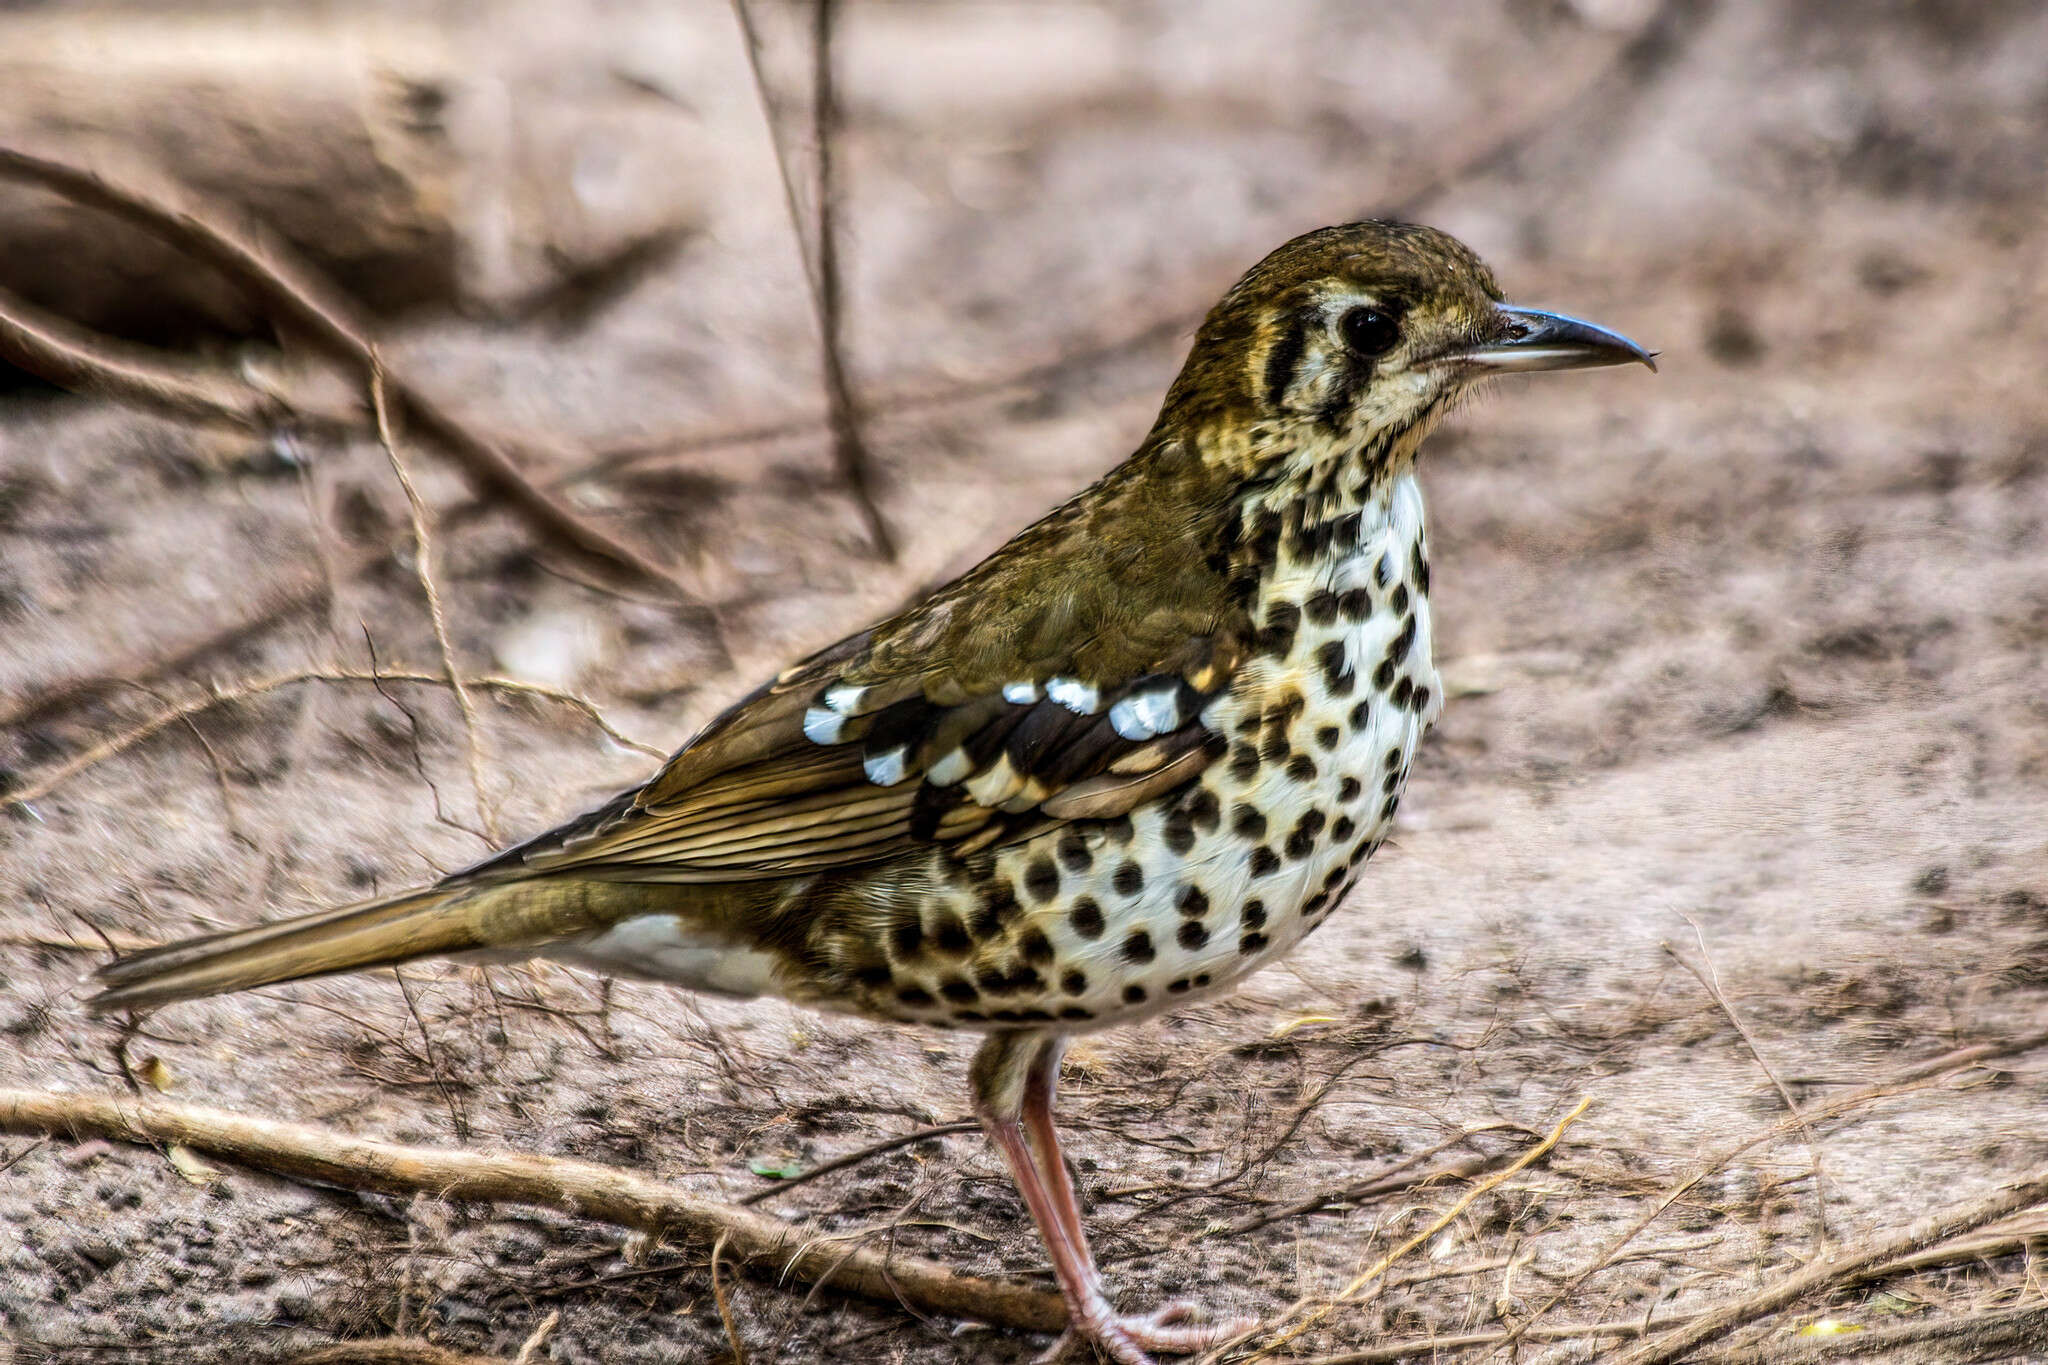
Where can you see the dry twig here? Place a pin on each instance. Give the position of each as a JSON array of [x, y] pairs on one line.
[[821, 265], [1710, 978], [297, 298], [43, 783], [763, 1246], [423, 565], [1834, 1271]]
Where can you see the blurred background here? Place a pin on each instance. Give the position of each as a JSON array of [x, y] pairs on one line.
[[1745, 658]]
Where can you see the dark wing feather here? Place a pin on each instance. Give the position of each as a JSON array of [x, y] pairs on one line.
[[1063, 679]]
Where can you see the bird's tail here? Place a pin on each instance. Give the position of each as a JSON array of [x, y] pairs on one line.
[[451, 918]]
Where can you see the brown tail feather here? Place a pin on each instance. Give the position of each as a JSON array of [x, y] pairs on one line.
[[374, 933]]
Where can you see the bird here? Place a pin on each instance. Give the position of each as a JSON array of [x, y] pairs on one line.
[[1140, 751]]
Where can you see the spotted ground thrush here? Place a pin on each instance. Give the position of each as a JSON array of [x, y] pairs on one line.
[[1134, 755]]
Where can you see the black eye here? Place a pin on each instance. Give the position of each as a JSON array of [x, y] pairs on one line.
[[1369, 331]]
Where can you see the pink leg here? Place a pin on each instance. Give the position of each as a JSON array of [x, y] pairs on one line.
[[1015, 1078]]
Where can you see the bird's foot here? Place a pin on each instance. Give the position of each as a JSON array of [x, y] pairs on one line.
[[1177, 1328]]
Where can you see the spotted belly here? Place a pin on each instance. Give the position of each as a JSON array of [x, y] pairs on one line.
[[1099, 923]]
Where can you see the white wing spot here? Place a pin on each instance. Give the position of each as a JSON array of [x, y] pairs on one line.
[[1021, 693], [844, 698], [1077, 696], [1144, 714], [888, 767], [949, 769], [823, 725]]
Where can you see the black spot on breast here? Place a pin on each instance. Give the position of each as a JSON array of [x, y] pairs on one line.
[[872, 977], [1264, 861], [1201, 980], [1335, 661], [1393, 781], [1035, 946], [1354, 604], [1251, 943], [1393, 758], [1348, 789], [1321, 607], [1041, 879], [1361, 714], [917, 997], [1333, 877], [1134, 994], [1383, 676], [1129, 879], [1244, 762], [1247, 822], [1405, 641], [1301, 768], [1344, 531], [1179, 985], [1387, 811], [1403, 690], [994, 982], [1074, 983], [1192, 934], [1418, 566], [1138, 947], [1363, 851], [1193, 902], [1399, 601], [1074, 854], [1076, 1012], [1314, 904], [969, 1017], [1421, 700], [949, 936], [1301, 840], [1273, 745], [1119, 830], [1254, 914], [1206, 810], [1342, 831], [906, 936], [1086, 917], [959, 990], [1276, 637], [1179, 831], [998, 906]]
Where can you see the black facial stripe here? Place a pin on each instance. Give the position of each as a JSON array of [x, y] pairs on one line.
[[1285, 356]]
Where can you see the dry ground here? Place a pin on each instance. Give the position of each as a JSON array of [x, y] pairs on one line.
[[1748, 660]]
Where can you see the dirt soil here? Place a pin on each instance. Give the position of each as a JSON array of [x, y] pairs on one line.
[[1747, 663]]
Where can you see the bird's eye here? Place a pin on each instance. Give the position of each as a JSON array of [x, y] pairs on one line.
[[1369, 331]]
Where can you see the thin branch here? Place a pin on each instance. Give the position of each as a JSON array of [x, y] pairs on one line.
[[763, 1246], [1841, 1268], [294, 295], [83, 362], [1383, 1264], [1909, 1078], [50, 779], [1710, 979], [423, 565], [821, 267], [858, 1155]]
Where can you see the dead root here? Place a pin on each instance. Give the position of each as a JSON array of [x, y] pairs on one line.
[[755, 1243]]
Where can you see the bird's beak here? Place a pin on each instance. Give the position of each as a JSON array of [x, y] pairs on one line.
[[1531, 339]]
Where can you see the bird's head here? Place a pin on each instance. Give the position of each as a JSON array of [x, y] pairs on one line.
[[1356, 336]]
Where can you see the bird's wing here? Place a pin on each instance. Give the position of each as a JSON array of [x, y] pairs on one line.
[[1050, 684]]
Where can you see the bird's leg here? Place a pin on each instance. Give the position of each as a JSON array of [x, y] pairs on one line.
[[1015, 1077]]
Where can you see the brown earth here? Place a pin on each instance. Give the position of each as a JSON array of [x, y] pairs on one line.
[[1747, 659]]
